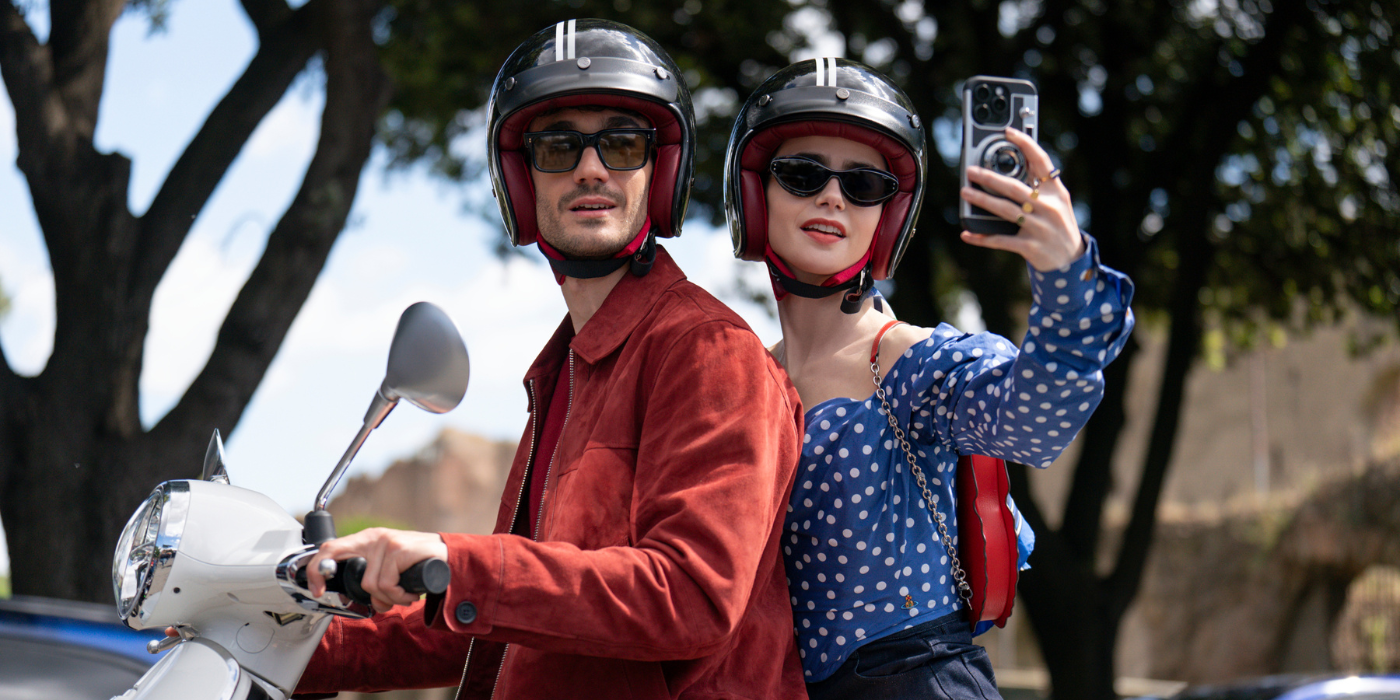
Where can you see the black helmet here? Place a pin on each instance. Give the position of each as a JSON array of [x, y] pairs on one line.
[[826, 97], [598, 63]]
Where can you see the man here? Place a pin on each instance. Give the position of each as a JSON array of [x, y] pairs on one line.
[[637, 545]]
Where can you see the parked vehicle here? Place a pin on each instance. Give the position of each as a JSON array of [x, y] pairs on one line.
[[66, 650], [1297, 687], [224, 567]]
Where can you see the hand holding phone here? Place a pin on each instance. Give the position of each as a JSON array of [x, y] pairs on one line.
[[989, 106], [1012, 198]]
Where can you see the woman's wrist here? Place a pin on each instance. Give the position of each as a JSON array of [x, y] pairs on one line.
[[1063, 288], [1061, 262]]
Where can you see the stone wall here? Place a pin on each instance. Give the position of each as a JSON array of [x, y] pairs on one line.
[[452, 485]]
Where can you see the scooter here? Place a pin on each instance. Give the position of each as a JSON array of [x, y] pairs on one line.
[[225, 567]]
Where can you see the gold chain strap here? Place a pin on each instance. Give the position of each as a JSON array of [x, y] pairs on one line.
[[964, 590]]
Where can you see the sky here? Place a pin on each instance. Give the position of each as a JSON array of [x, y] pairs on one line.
[[409, 239]]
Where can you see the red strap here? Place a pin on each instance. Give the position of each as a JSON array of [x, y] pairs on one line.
[[875, 347]]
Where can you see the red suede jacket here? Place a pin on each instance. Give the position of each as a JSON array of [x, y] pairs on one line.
[[656, 572]]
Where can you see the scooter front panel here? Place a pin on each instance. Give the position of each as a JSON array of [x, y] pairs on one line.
[[193, 670]]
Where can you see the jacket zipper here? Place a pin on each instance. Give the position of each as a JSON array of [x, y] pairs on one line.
[[529, 464], [549, 468], [544, 489]]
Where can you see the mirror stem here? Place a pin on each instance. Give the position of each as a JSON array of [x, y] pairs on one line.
[[378, 410]]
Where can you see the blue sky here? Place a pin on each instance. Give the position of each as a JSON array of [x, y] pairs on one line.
[[409, 240]]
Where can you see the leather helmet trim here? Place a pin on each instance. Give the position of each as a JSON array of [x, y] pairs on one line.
[[758, 153], [515, 167]]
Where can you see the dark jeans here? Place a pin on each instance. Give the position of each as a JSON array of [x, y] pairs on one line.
[[934, 660]]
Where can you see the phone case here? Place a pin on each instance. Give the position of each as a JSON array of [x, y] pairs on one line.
[[984, 137]]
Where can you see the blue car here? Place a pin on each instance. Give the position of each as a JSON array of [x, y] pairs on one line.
[[1298, 687], [65, 650], [1370, 687]]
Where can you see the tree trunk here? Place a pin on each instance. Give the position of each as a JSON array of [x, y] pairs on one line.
[[74, 458]]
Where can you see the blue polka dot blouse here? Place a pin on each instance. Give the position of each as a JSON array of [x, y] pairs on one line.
[[863, 556]]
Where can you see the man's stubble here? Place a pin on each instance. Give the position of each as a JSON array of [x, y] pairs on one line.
[[586, 243]]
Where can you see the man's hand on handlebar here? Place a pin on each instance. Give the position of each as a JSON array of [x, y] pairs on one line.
[[387, 553]]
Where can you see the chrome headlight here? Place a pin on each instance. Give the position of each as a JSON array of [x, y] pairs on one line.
[[147, 547]]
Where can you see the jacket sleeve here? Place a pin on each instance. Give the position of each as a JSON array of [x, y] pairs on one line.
[[369, 655], [715, 460]]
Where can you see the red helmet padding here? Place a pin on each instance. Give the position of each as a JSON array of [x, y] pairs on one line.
[[759, 152], [515, 167]]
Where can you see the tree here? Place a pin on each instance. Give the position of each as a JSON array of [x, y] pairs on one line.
[[74, 456], [1233, 157]]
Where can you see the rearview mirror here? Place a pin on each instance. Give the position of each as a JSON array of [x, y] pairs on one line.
[[428, 364], [428, 367]]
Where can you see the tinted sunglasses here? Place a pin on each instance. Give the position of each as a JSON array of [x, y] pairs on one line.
[[560, 151], [804, 177]]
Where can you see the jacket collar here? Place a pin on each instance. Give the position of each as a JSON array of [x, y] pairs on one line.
[[627, 304]]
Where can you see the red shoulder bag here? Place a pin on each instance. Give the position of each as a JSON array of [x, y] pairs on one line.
[[984, 559]]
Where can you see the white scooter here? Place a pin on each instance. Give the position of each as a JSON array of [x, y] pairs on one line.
[[224, 566]]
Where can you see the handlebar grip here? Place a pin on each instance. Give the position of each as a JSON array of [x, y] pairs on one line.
[[427, 576]]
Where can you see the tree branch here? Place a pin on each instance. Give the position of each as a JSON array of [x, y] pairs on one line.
[[8, 380], [79, 36], [27, 72], [1211, 139], [1093, 472], [1230, 100], [356, 92], [283, 53], [267, 15]]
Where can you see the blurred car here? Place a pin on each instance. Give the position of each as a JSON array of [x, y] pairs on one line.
[[1296, 687], [66, 650], [1369, 687]]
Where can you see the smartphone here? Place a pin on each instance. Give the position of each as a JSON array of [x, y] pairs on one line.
[[989, 105]]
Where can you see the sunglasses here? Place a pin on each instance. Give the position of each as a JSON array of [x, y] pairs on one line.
[[804, 177], [560, 151]]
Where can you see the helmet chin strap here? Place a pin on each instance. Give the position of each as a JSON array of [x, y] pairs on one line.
[[853, 290], [640, 254]]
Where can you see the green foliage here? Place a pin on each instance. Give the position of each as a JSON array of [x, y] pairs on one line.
[[156, 11], [1296, 195], [355, 523], [1310, 202], [443, 58]]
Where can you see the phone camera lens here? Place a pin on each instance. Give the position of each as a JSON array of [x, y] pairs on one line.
[[982, 92], [1005, 159], [981, 112], [999, 104]]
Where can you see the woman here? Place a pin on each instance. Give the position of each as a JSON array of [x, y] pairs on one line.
[[824, 176]]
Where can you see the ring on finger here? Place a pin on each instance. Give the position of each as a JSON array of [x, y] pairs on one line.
[[1021, 220], [1053, 174], [1027, 207], [1035, 191]]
